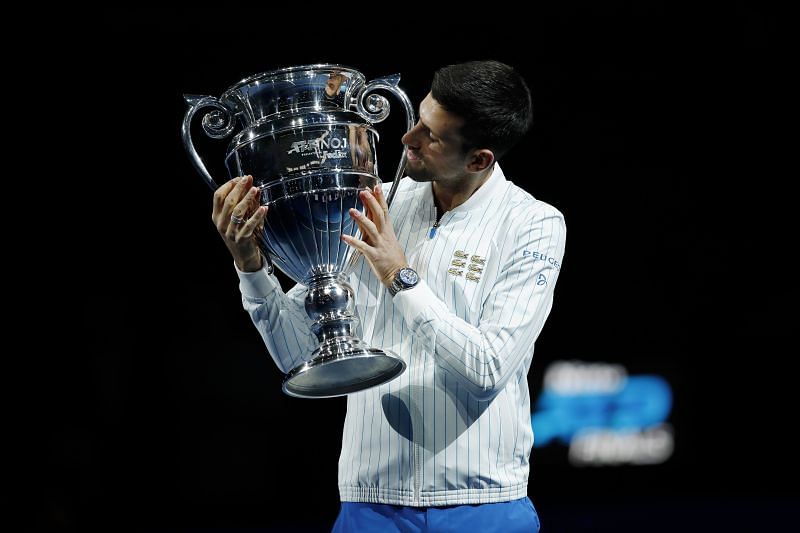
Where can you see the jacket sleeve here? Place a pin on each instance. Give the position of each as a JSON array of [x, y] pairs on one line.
[[484, 357], [279, 317]]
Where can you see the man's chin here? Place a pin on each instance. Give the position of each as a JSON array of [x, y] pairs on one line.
[[416, 172], [419, 178]]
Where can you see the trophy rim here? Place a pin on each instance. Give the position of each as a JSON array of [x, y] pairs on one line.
[[286, 70], [280, 123], [282, 182]]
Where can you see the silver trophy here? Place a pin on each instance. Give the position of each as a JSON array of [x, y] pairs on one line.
[[307, 138]]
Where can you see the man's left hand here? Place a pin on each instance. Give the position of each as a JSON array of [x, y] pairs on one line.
[[378, 241]]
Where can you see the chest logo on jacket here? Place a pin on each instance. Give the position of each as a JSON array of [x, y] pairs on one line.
[[473, 264]]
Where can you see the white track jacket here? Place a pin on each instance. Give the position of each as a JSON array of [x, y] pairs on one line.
[[455, 427]]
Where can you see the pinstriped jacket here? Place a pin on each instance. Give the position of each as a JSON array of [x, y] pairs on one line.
[[455, 427]]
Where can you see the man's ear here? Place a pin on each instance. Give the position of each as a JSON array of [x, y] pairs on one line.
[[480, 160]]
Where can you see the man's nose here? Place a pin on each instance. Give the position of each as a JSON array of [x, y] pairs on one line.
[[409, 138]]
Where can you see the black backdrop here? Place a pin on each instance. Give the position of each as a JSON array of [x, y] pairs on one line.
[[654, 134]]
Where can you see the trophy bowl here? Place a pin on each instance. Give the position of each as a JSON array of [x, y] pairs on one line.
[[308, 139]]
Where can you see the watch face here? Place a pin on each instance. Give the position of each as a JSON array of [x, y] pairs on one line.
[[408, 276]]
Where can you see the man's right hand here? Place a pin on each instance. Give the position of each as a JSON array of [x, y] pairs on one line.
[[237, 215]]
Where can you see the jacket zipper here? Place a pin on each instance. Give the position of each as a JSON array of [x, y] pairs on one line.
[[417, 462], [417, 473], [432, 231], [437, 222]]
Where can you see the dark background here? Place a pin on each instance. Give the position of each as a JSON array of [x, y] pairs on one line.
[[655, 134]]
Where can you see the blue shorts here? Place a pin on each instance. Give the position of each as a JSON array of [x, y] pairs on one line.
[[506, 517]]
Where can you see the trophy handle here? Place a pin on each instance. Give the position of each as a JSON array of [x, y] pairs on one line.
[[376, 108], [217, 124]]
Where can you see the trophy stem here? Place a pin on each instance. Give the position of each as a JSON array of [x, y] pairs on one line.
[[342, 364], [330, 303], [333, 329]]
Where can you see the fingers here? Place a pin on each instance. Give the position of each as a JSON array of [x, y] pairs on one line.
[[381, 199], [358, 244], [222, 192], [376, 219], [367, 226], [237, 196], [376, 211], [246, 205], [241, 214], [227, 197], [255, 222]]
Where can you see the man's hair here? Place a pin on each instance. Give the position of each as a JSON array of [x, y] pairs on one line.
[[491, 97]]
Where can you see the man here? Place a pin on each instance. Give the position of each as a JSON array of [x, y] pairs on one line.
[[460, 289]]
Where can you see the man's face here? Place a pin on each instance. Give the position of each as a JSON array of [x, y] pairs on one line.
[[435, 144]]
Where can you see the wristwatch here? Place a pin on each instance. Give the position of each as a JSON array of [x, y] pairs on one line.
[[405, 278]]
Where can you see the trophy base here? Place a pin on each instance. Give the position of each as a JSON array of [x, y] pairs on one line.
[[341, 368]]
